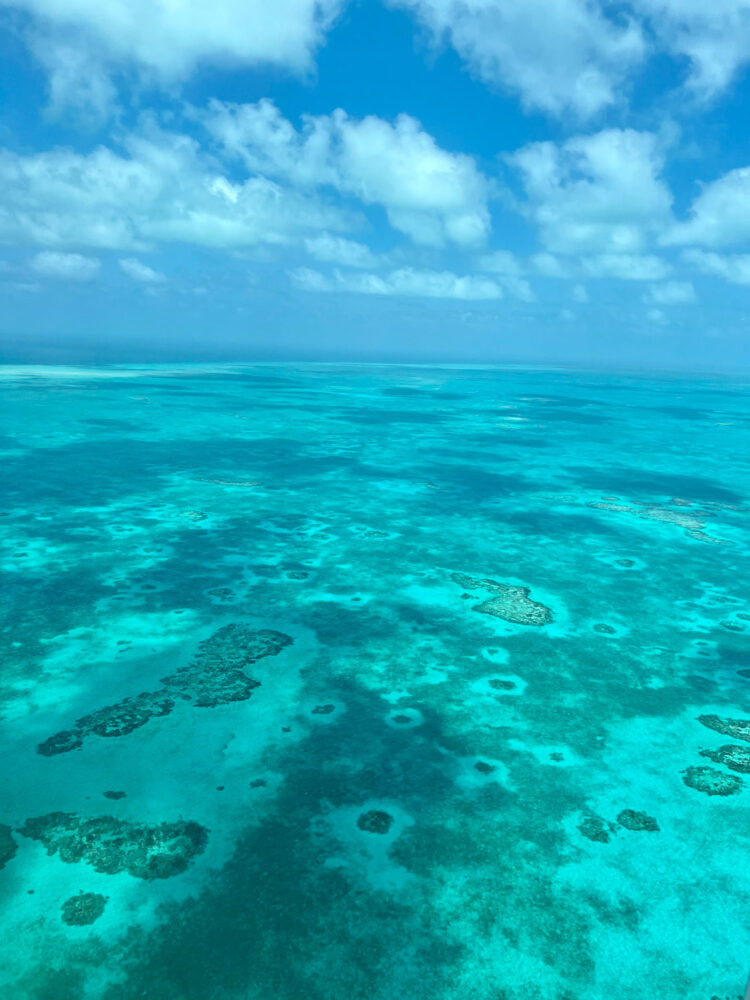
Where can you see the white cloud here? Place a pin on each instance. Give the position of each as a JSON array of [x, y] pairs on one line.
[[509, 271], [670, 293], [405, 281], [732, 267], [719, 216], [140, 272], [77, 79], [714, 37], [550, 266], [432, 195], [558, 55], [171, 37], [65, 266], [629, 267], [337, 250], [596, 193], [162, 188]]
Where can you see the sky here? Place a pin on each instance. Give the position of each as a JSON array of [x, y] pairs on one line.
[[541, 181]]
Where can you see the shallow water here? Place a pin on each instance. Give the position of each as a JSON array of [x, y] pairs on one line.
[[437, 672]]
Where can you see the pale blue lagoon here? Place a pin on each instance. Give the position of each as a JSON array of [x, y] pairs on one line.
[[367, 682]]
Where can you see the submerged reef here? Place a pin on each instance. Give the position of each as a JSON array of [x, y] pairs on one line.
[[8, 846], [734, 757], [375, 821], [597, 829], [215, 676], [712, 781], [83, 909], [111, 845], [738, 729], [693, 523], [510, 602], [633, 820]]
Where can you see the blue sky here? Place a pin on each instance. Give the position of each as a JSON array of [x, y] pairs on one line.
[[560, 181]]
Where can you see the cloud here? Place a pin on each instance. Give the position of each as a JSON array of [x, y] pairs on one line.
[[140, 272], [714, 37], [670, 293], [731, 267], [629, 267], [432, 195], [337, 250], [170, 38], [509, 271], [65, 266], [578, 293], [719, 216], [559, 57], [160, 188], [596, 193], [405, 281]]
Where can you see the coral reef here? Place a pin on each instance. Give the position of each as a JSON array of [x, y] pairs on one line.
[[114, 795], [712, 781], [484, 768], [510, 602], [323, 709], [375, 821], [693, 523], [597, 829], [738, 729], [8, 846], [83, 909], [734, 757], [633, 820], [111, 845], [501, 685], [215, 676], [604, 629]]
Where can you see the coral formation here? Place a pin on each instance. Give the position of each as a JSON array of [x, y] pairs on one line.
[[510, 602], [8, 846], [501, 685], [83, 909], [111, 845], [712, 781], [633, 820], [597, 829], [603, 629], [693, 523], [323, 709], [484, 768], [114, 795], [734, 757], [215, 676], [738, 729], [375, 821]]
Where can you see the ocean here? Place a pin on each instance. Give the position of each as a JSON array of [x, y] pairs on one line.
[[340, 682]]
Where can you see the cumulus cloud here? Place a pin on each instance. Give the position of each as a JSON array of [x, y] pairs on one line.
[[171, 37], [719, 216], [140, 272], [432, 195], [65, 266], [405, 282], [670, 293], [558, 55], [731, 267], [713, 37], [596, 193], [629, 267], [160, 188], [338, 250], [509, 270]]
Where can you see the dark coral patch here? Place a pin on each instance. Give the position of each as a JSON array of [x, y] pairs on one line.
[[8, 846], [484, 768], [323, 709], [712, 781], [633, 820], [375, 821], [604, 629], [596, 829], [734, 757], [111, 845], [501, 685], [511, 603], [738, 729], [215, 676], [83, 909], [114, 795]]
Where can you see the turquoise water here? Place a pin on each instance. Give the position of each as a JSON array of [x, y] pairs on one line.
[[367, 682]]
